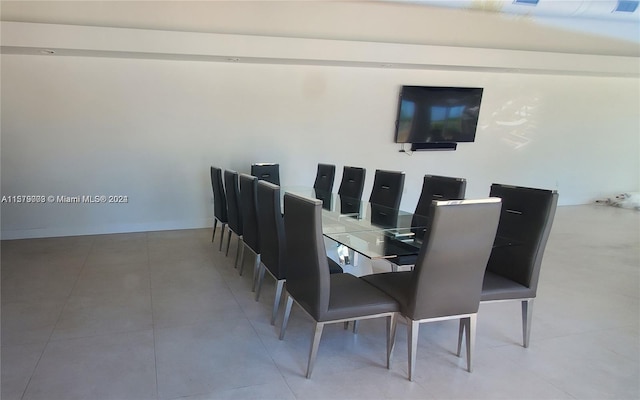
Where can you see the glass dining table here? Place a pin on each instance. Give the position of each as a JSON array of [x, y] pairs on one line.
[[367, 229]]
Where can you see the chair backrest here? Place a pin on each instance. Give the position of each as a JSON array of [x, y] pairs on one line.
[[384, 217], [324, 178], [248, 205], [271, 228], [352, 183], [435, 188], [267, 172], [219, 198], [450, 268], [387, 188], [526, 219], [306, 258], [234, 212]]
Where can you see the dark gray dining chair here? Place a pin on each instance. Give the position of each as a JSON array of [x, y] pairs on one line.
[[350, 190], [513, 269], [271, 230], [326, 298], [324, 178], [387, 188], [352, 182], [269, 172], [385, 198], [219, 203], [447, 279], [437, 188], [234, 212], [273, 242], [250, 231]]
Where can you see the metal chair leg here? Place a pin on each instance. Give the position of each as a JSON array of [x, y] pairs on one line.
[[527, 314], [239, 253], [259, 279], [314, 347], [256, 267], [412, 341], [240, 256], [226, 254], [222, 229], [285, 319], [391, 336], [471, 339], [276, 300], [461, 329], [215, 224]]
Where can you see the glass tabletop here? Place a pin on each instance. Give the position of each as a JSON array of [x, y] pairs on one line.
[[379, 244], [346, 214], [369, 229], [375, 231]]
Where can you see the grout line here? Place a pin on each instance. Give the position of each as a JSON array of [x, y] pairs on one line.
[[84, 263], [153, 322], [259, 337]]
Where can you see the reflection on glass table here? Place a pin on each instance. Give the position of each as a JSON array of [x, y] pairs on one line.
[[362, 228], [382, 244], [345, 214]]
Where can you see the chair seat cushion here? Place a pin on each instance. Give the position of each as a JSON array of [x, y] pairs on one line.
[[396, 284], [351, 297], [497, 287], [334, 267]]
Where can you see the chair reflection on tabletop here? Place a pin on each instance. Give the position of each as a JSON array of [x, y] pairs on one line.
[[447, 279]]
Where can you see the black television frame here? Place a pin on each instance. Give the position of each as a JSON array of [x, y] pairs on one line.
[[471, 97]]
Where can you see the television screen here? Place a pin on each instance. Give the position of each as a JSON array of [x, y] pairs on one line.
[[437, 114]]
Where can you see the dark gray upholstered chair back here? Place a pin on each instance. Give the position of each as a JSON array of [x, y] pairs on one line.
[[325, 177], [435, 188], [526, 219], [219, 198], [271, 228], [352, 183], [306, 261], [233, 198], [267, 172], [387, 188], [450, 268], [249, 211]]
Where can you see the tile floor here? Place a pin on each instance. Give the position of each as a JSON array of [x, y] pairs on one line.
[[164, 315]]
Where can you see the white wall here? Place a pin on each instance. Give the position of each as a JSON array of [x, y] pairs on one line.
[[150, 129]]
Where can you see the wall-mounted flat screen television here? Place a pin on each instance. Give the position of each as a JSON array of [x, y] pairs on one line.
[[429, 114]]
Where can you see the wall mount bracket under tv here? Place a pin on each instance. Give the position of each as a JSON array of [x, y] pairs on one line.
[[437, 118]]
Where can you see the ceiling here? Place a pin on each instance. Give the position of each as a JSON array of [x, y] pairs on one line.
[[567, 26], [611, 18]]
